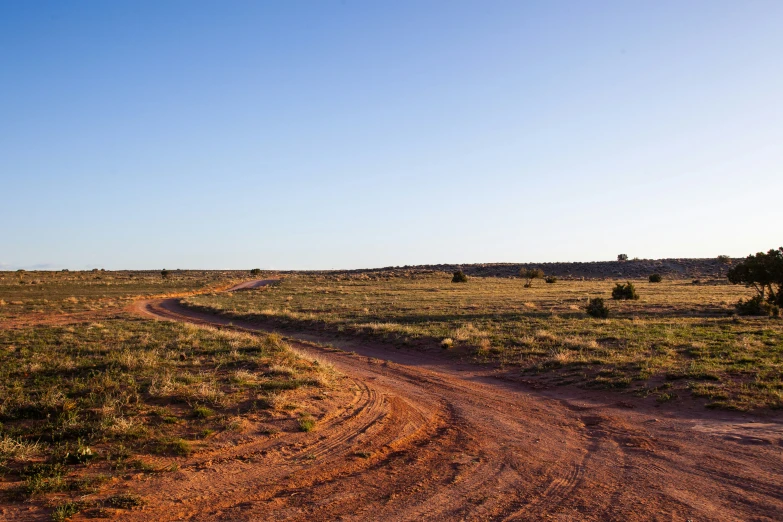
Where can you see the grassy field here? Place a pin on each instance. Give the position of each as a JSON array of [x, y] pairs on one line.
[[679, 339], [24, 293], [89, 403], [92, 396]]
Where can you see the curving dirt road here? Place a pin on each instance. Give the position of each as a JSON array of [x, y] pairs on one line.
[[251, 285], [423, 438]]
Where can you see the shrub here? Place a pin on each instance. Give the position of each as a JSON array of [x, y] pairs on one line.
[[255, 271], [622, 257], [164, 273], [459, 277], [723, 261], [655, 278], [597, 308], [529, 274], [551, 279], [757, 306], [624, 291]]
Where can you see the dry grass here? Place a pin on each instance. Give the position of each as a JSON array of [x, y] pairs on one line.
[[47, 292], [112, 393], [679, 332], [84, 383]]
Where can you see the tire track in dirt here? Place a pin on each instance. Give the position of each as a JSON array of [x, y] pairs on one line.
[[445, 441]]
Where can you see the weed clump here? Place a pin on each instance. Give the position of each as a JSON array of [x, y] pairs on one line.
[[306, 422], [596, 308], [202, 412], [459, 277], [66, 511], [624, 291], [125, 501], [655, 278], [175, 446], [44, 478]]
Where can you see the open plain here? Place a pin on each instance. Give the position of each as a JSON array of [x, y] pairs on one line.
[[312, 396]]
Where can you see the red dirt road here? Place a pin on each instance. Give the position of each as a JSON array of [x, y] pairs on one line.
[[250, 285], [423, 438]]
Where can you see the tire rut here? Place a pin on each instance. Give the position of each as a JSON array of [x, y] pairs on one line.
[[423, 441]]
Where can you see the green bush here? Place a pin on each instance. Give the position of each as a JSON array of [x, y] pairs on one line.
[[551, 279], [597, 308], [255, 271], [459, 277], [624, 291], [655, 278]]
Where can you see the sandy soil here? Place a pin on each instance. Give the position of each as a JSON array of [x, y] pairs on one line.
[[424, 437]]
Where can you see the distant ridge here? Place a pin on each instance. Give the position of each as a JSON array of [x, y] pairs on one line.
[[632, 269]]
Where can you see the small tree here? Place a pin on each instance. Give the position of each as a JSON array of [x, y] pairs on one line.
[[764, 273], [622, 257], [255, 271], [529, 274], [164, 273], [655, 278], [596, 308], [459, 277], [550, 279], [624, 291], [723, 261]]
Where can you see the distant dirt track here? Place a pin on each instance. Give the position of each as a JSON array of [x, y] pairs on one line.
[[447, 441], [249, 285]]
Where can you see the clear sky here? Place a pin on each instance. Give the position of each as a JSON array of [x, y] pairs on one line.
[[346, 134]]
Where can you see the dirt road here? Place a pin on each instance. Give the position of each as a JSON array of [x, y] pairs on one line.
[[424, 438], [250, 285]]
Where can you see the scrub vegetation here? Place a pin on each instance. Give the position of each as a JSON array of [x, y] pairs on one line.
[[670, 338], [39, 293], [88, 404]]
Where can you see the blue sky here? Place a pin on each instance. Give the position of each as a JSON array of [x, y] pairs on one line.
[[187, 134]]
